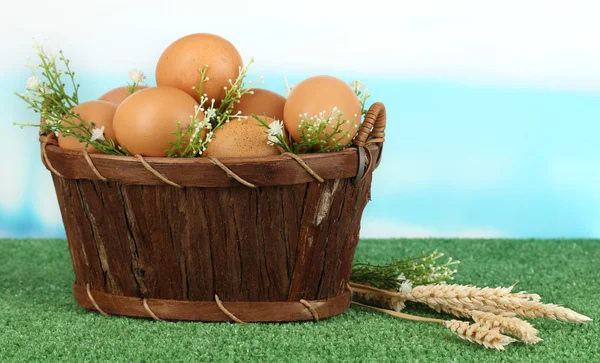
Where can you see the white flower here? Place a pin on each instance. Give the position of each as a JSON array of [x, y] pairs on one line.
[[406, 286], [97, 134], [32, 83], [275, 130], [137, 76], [45, 90]]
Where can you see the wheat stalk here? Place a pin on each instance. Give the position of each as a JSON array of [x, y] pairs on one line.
[[463, 313], [492, 309], [480, 334], [461, 296], [389, 300], [534, 309], [508, 325], [456, 298], [487, 336]]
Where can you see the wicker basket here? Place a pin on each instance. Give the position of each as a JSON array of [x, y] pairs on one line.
[[250, 240]]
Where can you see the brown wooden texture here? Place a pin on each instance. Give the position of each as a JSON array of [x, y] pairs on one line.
[[200, 172], [279, 243], [261, 250], [208, 310]]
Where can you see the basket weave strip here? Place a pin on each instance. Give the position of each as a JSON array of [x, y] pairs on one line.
[[369, 161], [231, 173], [225, 311], [310, 308], [89, 294], [149, 167], [150, 312], [238, 311], [305, 166], [45, 140], [372, 129], [92, 166], [153, 171]]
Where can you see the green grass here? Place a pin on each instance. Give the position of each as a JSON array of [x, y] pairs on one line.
[[39, 320]]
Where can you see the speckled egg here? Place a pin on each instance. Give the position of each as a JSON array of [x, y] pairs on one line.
[[144, 122], [119, 94], [179, 64], [261, 102], [98, 113], [243, 138], [323, 94]]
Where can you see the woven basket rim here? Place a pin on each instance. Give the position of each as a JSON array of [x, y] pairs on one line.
[[203, 160], [285, 169], [202, 172]]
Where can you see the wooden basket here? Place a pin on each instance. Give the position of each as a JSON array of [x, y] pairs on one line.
[[245, 239]]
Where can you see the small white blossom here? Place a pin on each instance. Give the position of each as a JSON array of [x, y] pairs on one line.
[[97, 134], [33, 83], [137, 77], [406, 286], [275, 130]]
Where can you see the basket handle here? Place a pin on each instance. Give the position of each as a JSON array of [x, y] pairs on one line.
[[372, 129]]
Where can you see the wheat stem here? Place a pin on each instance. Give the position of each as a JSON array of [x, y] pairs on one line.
[[489, 337], [401, 315]]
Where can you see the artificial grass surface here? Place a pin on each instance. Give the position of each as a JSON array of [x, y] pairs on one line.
[[40, 321]]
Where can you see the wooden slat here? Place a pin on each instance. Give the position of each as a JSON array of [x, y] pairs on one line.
[[208, 310], [200, 172]]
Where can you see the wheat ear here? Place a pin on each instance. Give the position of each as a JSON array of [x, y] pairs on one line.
[[395, 300], [455, 298], [534, 309], [460, 296], [464, 313], [386, 302], [508, 325], [480, 334]]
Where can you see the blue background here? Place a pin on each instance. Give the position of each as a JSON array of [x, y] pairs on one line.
[[460, 160]]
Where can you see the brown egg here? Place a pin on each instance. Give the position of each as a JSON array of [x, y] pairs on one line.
[[179, 64], [144, 122], [119, 94], [322, 93], [243, 138], [100, 113], [261, 103]]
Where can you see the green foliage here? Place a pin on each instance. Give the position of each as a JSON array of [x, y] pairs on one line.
[[50, 98], [192, 139], [420, 270], [319, 133], [323, 132]]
